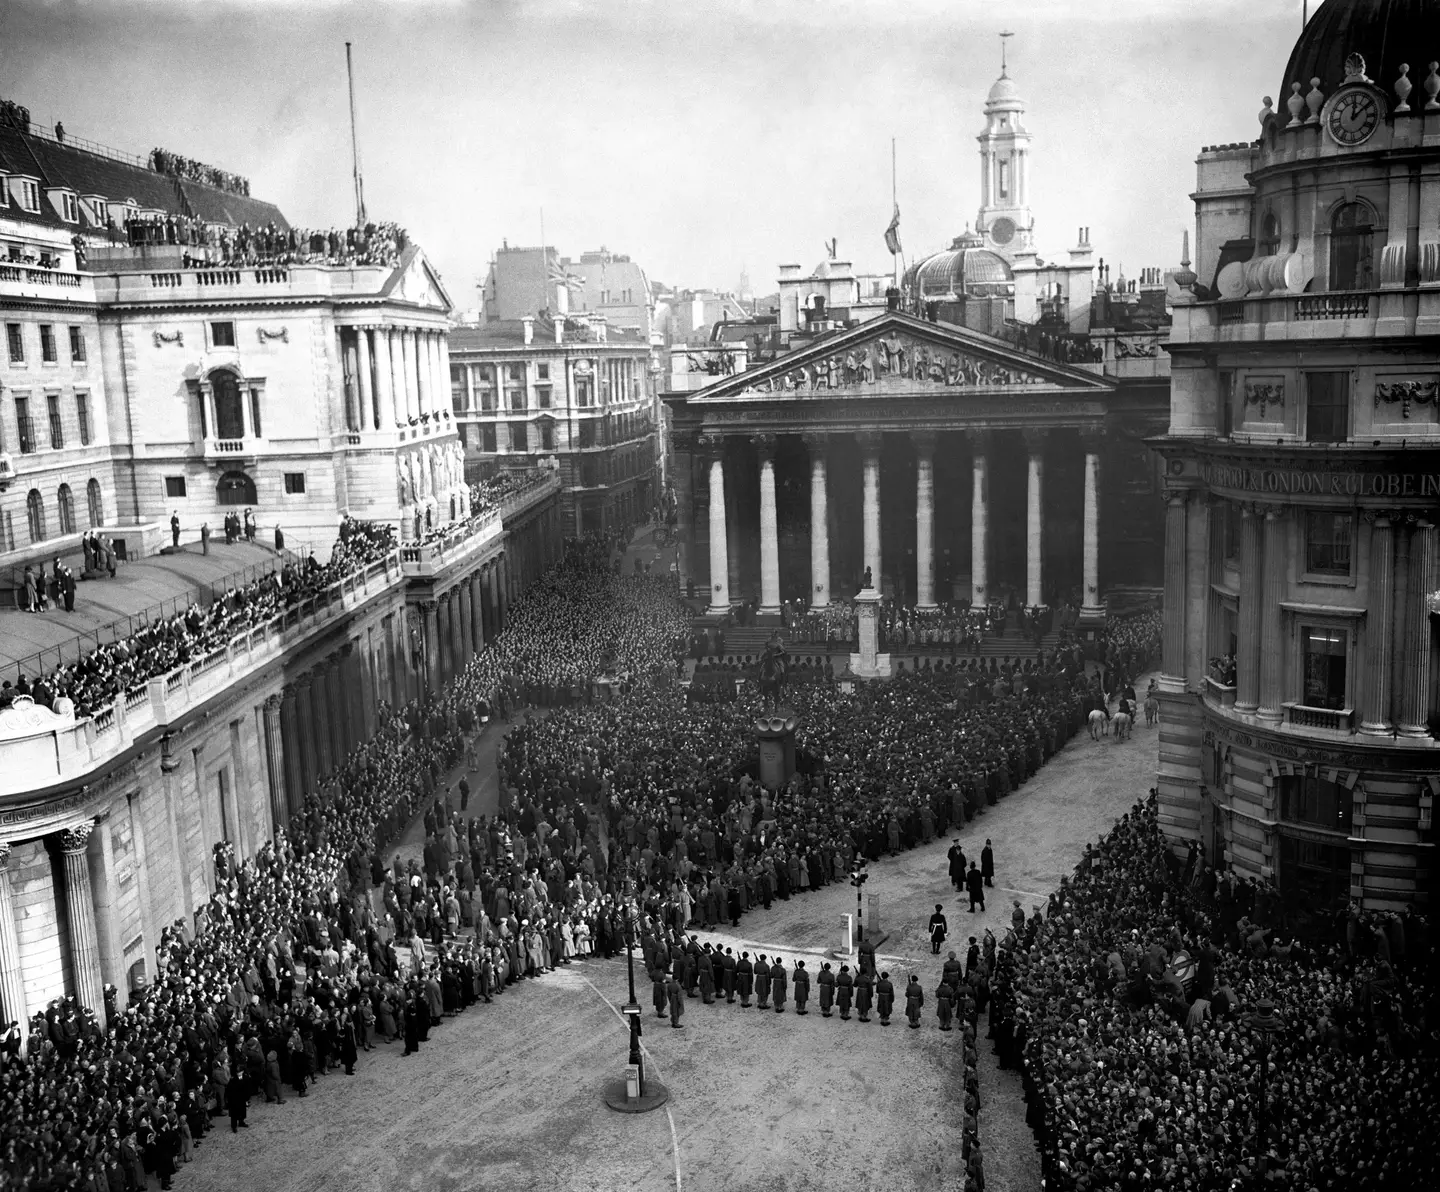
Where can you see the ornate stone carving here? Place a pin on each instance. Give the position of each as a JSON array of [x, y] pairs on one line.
[[1137, 347], [712, 444], [265, 335], [1406, 393], [765, 442], [75, 838], [4, 853], [1264, 394], [177, 338]]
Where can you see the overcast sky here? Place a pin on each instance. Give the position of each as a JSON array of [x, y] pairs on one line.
[[699, 136]]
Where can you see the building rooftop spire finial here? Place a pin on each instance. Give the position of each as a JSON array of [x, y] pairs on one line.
[[1004, 35]]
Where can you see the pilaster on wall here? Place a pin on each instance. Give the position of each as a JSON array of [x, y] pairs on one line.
[[1178, 779]]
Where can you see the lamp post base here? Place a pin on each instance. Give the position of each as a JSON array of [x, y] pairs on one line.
[[616, 1096]]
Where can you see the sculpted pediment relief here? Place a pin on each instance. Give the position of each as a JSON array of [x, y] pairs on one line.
[[893, 359]]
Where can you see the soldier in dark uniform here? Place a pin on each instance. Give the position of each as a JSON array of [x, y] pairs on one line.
[[777, 984], [728, 975], [706, 977], [801, 981], [914, 1000], [864, 990], [884, 998], [745, 979], [827, 988], [844, 991], [676, 999], [762, 983], [944, 1004]]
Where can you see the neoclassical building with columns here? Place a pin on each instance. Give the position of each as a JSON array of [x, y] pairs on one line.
[[950, 465], [1301, 685]]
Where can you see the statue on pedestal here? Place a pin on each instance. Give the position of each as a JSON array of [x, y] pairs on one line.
[[774, 668]]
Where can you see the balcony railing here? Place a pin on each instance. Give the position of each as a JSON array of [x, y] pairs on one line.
[[218, 277], [1332, 306], [1332, 720], [41, 277], [1218, 693], [452, 543], [76, 747]]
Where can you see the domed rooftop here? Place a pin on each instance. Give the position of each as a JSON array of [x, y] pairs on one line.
[[961, 271], [1385, 33], [1003, 94]]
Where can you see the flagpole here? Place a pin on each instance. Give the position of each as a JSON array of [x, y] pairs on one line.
[[360, 219], [895, 200]]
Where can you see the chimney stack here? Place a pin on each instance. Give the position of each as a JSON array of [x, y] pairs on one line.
[[528, 323]]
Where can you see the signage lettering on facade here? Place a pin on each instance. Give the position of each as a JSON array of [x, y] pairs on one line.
[[1296, 482]]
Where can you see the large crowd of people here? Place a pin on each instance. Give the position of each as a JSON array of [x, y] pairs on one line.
[[317, 947], [221, 246], [174, 165], [1133, 1007], [106, 673]]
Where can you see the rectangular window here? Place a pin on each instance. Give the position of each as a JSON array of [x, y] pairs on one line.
[[516, 373], [77, 345], [69, 208], [463, 430], [294, 483], [26, 193], [1327, 543], [1323, 652], [485, 384], [47, 343], [57, 430], [582, 392], [547, 436], [519, 437], [255, 412], [542, 395], [542, 372], [517, 400], [587, 434], [459, 399], [1316, 801], [487, 439], [1327, 407], [174, 486], [23, 425], [82, 416], [15, 338], [222, 335]]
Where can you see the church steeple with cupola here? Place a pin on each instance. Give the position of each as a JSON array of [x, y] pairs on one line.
[[1005, 219]]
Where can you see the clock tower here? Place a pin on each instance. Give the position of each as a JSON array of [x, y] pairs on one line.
[[1005, 220]]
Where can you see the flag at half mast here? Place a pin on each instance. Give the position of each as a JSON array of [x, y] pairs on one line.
[[892, 233]]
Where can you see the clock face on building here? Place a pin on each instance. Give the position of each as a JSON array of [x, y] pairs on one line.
[[1002, 231], [1352, 116]]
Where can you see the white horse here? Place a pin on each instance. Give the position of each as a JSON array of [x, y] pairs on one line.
[[1099, 723], [1123, 724]]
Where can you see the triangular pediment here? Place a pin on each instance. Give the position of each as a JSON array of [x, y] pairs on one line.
[[902, 355], [416, 282]]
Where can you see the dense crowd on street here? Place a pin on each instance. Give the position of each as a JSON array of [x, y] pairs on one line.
[[1127, 1005], [106, 673], [325, 944]]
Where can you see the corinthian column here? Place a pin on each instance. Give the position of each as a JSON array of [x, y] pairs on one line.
[[1379, 628], [1413, 720], [873, 553], [769, 528], [819, 521], [12, 977], [719, 553], [362, 367], [275, 763], [1034, 523], [924, 518], [979, 518], [80, 913], [1272, 652], [385, 379]]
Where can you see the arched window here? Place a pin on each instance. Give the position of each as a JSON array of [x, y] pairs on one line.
[[96, 501], [67, 510], [35, 514], [229, 409], [235, 488], [1269, 235], [1352, 233]]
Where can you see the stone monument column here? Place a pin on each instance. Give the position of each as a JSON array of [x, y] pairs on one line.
[[979, 518], [275, 763], [924, 518], [1090, 600], [818, 443], [714, 445], [385, 379], [1034, 520], [873, 553], [80, 914], [1272, 652], [1247, 664], [769, 528], [362, 368]]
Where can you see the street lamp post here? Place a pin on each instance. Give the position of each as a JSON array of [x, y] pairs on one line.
[[858, 877], [1265, 1023], [632, 1007], [647, 1094]]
